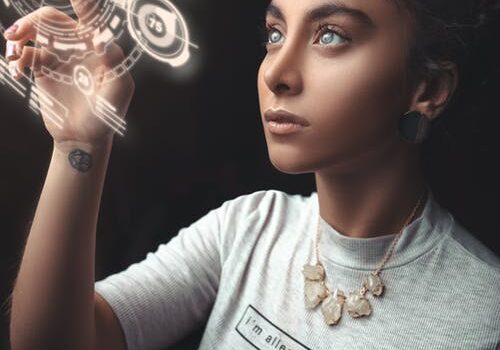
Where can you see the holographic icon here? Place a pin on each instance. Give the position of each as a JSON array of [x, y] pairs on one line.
[[155, 27], [103, 25], [160, 30], [83, 80]]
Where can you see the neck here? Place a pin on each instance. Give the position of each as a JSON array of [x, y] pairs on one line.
[[373, 200]]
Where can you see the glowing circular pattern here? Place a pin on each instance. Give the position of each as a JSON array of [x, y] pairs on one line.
[[152, 26], [160, 30], [83, 80], [103, 25]]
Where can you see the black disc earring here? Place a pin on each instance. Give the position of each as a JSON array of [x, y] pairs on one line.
[[414, 127]]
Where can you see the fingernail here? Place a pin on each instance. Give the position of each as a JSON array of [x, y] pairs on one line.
[[12, 29], [11, 50]]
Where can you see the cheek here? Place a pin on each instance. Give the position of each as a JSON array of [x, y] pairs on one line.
[[262, 88], [358, 95]]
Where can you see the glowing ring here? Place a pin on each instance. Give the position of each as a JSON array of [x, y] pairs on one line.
[[159, 48]]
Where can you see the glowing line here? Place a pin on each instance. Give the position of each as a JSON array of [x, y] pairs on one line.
[[106, 103], [32, 104], [108, 124], [6, 2], [15, 88], [8, 76], [110, 118], [34, 97], [103, 105], [175, 36], [48, 109], [34, 108], [53, 121], [46, 99], [54, 113], [21, 86], [49, 99], [105, 114]]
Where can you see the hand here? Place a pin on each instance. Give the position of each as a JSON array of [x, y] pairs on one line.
[[81, 125]]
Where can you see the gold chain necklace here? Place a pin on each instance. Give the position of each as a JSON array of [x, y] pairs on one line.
[[356, 303]]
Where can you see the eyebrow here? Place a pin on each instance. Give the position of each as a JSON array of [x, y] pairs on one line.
[[325, 10]]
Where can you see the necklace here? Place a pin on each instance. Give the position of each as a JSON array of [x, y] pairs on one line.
[[356, 302]]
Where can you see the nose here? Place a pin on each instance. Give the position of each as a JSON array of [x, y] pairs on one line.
[[283, 71]]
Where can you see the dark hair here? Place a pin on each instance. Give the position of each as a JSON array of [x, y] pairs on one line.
[[459, 156], [465, 32]]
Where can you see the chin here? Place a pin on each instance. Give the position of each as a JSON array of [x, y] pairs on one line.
[[290, 163]]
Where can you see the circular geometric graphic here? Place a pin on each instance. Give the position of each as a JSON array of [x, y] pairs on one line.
[[103, 25], [83, 80], [77, 32], [159, 28]]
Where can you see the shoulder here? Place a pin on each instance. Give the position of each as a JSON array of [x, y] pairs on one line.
[[266, 202], [473, 251], [475, 270], [249, 218], [459, 244], [473, 276]]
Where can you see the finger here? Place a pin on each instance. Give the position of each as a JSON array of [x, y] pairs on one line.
[[85, 9], [113, 55], [12, 50], [25, 28], [33, 58], [11, 30]]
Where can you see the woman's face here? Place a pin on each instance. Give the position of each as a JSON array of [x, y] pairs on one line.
[[341, 66]]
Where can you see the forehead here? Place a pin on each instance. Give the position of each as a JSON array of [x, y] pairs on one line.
[[369, 12]]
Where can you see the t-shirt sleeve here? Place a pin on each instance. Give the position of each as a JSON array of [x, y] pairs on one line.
[[171, 292]]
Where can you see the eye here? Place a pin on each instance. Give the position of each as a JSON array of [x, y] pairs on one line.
[[328, 35], [274, 36]]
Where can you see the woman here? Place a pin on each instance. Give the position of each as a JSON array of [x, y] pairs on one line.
[[371, 260]]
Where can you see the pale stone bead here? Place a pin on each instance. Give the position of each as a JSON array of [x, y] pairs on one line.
[[357, 305], [314, 292], [332, 308], [314, 272], [374, 284]]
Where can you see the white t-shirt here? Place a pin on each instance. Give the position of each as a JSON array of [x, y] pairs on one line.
[[239, 270]]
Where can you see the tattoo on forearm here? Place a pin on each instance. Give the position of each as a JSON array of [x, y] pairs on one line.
[[80, 160]]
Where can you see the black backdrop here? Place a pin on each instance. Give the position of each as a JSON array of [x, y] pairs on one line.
[[195, 140]]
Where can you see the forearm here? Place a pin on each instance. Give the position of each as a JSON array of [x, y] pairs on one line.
[[53, 298]]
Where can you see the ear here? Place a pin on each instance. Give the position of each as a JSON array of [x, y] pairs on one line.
[[433, 93]]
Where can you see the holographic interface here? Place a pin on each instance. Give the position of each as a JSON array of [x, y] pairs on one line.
[[152, 27]]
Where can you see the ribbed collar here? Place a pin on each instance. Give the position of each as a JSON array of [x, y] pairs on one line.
[[417, 238]]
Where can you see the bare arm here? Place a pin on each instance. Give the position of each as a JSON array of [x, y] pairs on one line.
[[53, 300], [53, 303]]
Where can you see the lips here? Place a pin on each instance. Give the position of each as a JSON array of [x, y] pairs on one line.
[[281, 116], [280, 122]]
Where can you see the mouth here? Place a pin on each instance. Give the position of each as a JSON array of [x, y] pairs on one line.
[[283, 122]]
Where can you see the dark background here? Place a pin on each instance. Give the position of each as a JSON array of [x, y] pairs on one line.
[[195, 140]]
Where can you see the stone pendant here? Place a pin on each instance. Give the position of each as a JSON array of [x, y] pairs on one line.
[[314, 272], [331, 308], [374, 284], [314, 285], [314, 292], [357, 305]]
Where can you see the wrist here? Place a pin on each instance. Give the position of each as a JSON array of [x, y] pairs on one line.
[[66, 147]]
